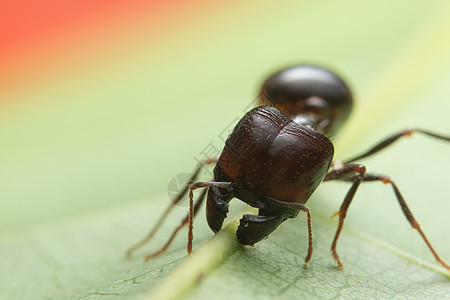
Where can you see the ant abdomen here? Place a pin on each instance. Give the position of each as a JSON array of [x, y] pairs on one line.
[[307, 90]]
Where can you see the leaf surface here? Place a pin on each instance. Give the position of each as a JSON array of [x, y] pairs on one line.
[[84, 178]]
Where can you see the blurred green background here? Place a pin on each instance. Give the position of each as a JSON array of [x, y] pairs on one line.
[[113, 131], [119, 131]]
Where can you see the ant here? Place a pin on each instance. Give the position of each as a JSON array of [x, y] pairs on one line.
[[278, 154]]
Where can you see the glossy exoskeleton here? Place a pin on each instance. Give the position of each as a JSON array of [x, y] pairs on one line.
[[279, 153]]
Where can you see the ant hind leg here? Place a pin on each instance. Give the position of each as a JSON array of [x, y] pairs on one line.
[[389, 140], [347, 173]]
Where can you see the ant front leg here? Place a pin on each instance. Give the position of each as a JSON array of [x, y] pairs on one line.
[[193, 210], [388, 141], [182, 224], [173, 203], [343, 174], [223, 185]]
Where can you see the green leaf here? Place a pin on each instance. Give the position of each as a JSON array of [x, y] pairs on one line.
[[83, 179]]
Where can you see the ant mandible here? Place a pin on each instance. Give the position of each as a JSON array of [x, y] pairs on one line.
[[278, 154]]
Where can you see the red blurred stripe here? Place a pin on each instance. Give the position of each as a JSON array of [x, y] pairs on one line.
[[47, 36], [21, 19]]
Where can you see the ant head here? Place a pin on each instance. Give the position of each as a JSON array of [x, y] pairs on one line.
[[309, 95]]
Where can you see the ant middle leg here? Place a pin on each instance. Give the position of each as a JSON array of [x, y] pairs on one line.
[[388, 141], [173, 203], [407, 212], [343, 174]]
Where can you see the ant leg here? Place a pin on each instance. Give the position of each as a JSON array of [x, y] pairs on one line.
[[407, 212], [225, 185], [344, 173], [383, 144], [182, 224], [170, 207]]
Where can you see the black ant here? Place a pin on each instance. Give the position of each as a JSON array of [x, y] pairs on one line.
[[278, 154]]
